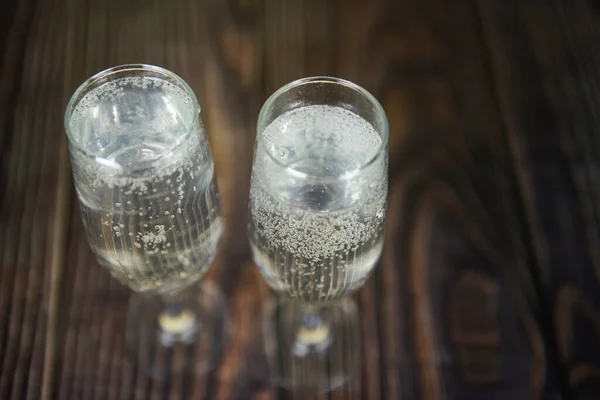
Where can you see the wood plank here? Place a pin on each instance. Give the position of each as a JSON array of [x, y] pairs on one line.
[[233, 77], [8, 17], [457, 301], [11, 74], [30, 197], [452, 309], [544, 59]]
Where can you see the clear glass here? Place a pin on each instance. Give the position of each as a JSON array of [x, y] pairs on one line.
[[318, 199], [145, 181]]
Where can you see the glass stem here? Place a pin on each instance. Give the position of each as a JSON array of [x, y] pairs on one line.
[[173, 307], [314, 329], [176, 321]]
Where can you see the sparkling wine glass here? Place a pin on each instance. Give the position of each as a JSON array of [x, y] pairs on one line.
[[318, 199], [144, 176]]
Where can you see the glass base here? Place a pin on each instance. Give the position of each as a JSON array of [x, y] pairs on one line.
[[312, 352], [172, 339]]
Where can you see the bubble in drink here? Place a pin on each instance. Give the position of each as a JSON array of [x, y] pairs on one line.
[[316, 225], [129, 162]]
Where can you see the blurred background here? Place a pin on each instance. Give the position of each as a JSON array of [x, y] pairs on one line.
[[488, 287]]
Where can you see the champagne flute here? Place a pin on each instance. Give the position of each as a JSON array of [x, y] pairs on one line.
[[318, 199], [145, 181]]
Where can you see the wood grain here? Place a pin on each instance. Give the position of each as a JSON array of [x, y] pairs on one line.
[[488, 283], [32, 73], [452, 208], [546, 71]]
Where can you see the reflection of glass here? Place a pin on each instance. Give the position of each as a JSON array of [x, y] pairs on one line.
[[144, 177], [317, 204]]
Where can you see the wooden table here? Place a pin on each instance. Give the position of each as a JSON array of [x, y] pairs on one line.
[[489, 284]]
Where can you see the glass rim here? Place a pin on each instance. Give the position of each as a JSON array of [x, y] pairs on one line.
[[115, 70], [329, 80]]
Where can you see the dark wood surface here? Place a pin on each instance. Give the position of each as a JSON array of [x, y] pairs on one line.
[[488, 287]]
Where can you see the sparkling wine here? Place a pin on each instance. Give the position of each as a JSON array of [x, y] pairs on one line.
[[316, 225], [145, 181]]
